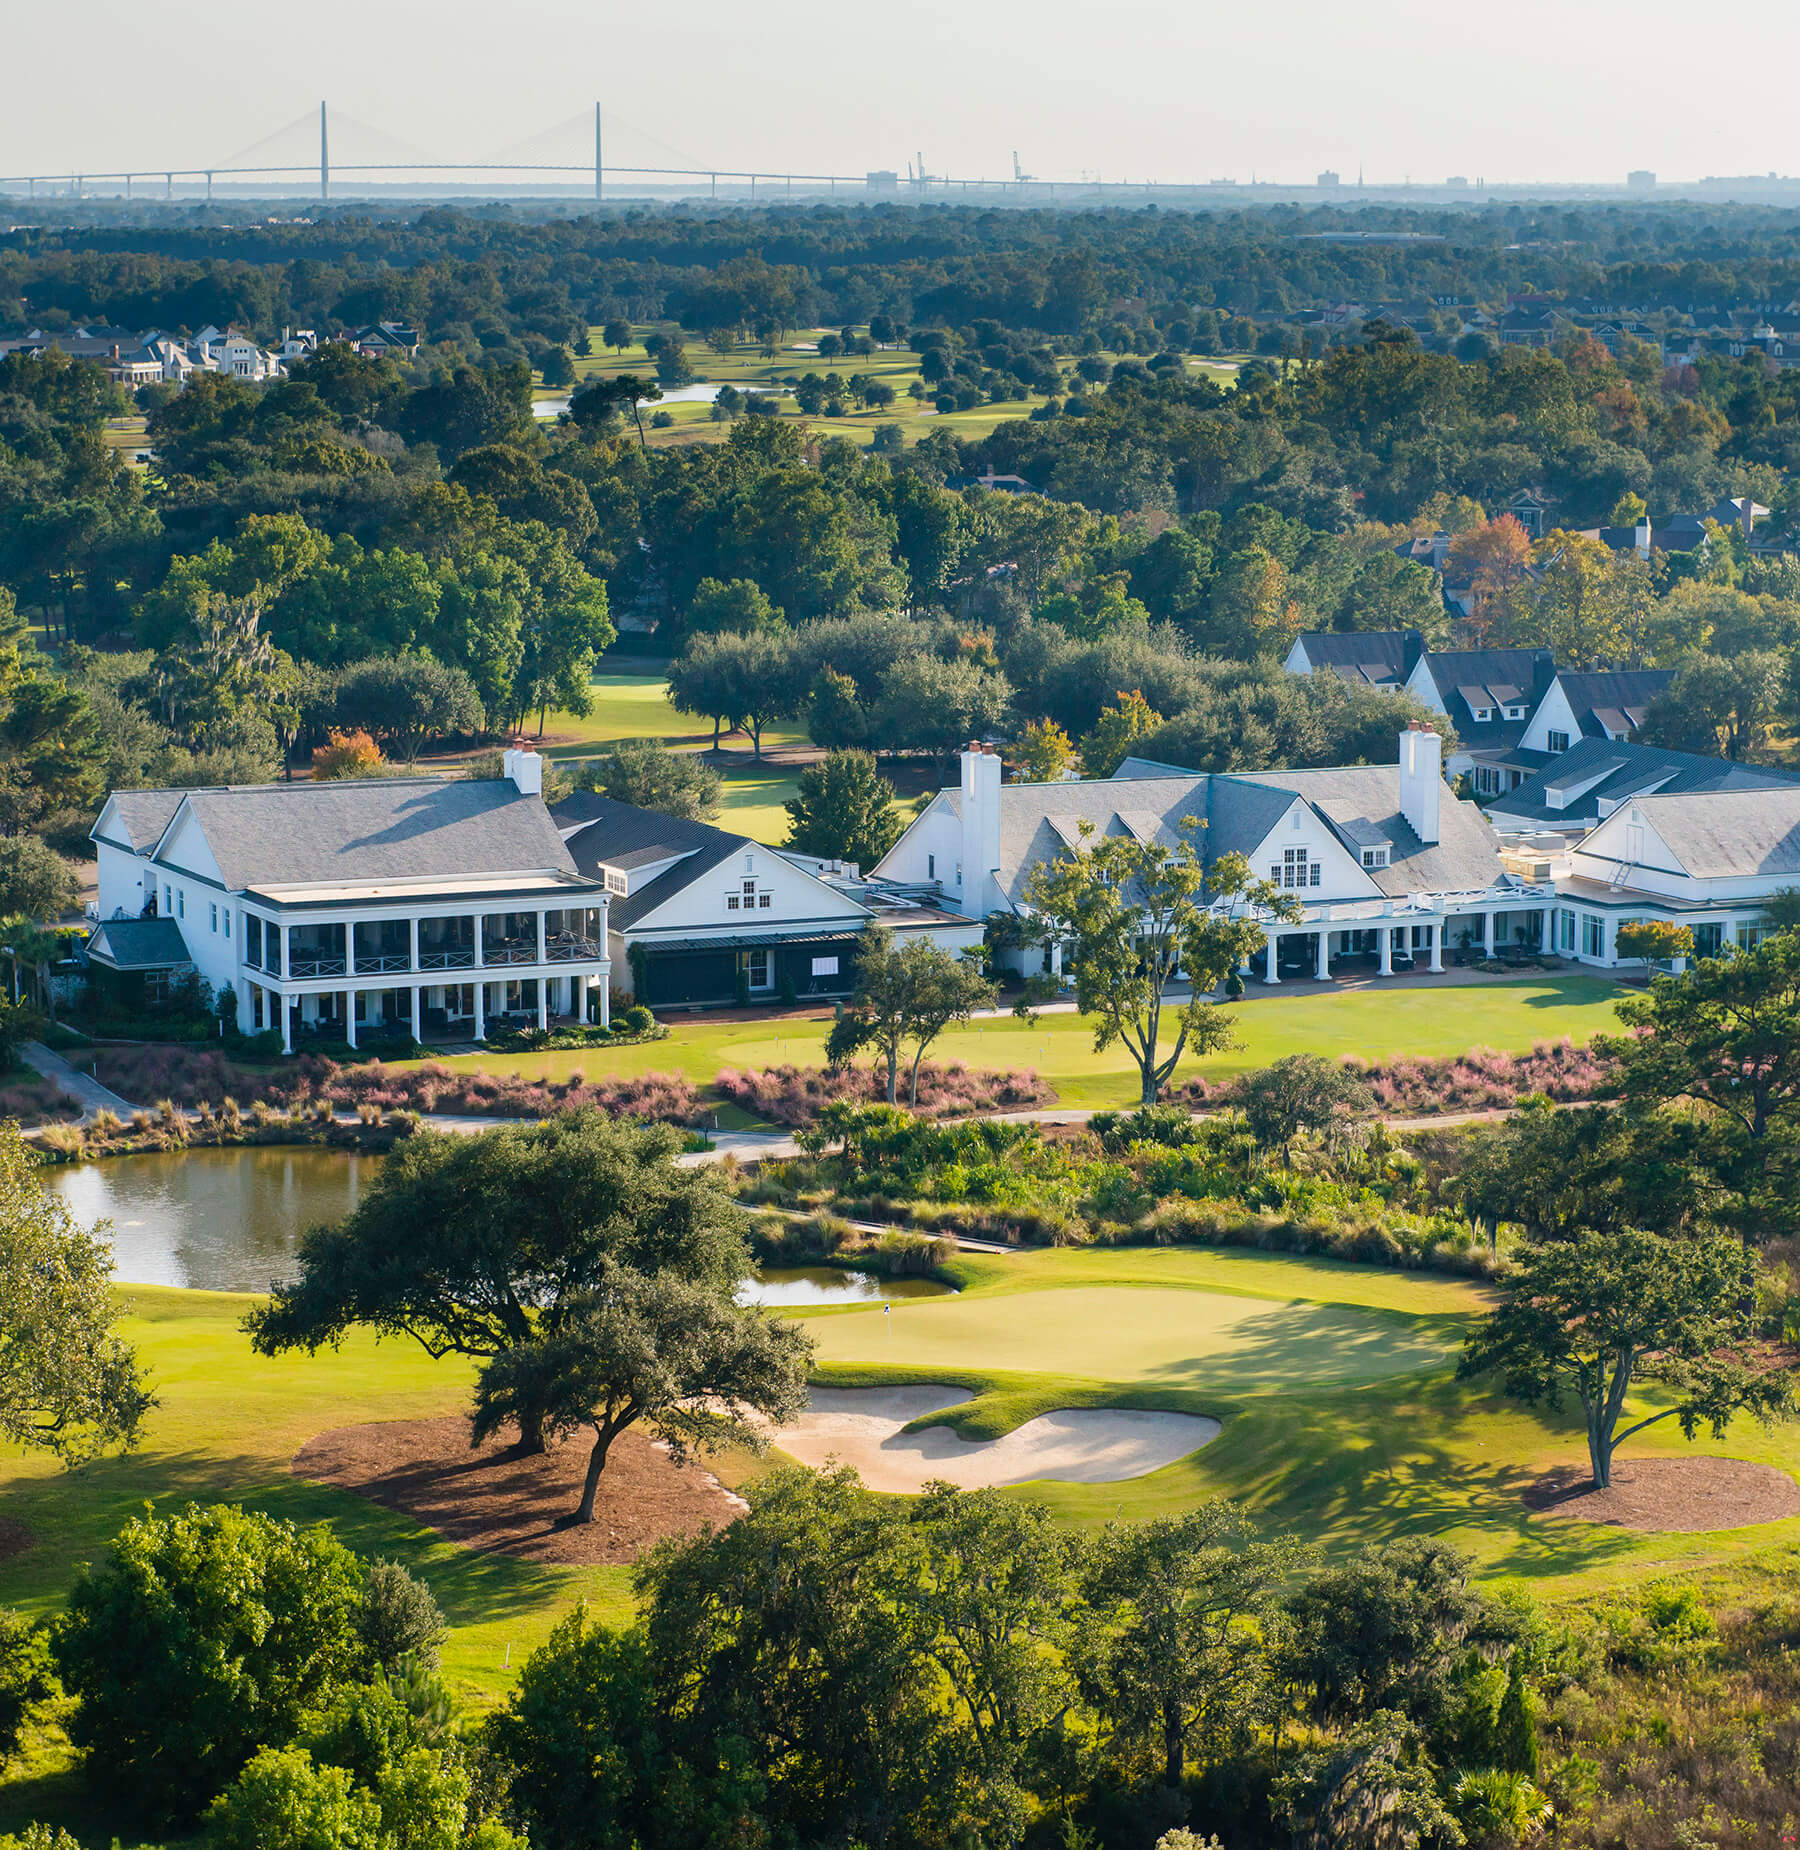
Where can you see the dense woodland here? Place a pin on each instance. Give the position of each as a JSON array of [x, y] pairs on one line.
[[403, 549]]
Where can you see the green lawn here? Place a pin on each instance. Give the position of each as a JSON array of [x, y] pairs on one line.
[[1308, 1446], [1419, 1019], [744, 366], [1342, 1423]]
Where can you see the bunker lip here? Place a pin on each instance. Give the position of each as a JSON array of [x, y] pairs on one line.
[[865, 1429]]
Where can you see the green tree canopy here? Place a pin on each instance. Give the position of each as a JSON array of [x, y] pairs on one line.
[[1595, 1312], [844, 809], [480, 1245]]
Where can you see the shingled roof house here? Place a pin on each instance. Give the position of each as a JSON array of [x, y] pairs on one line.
[[345, 908]]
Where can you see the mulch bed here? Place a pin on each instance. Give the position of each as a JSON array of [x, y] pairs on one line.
[[488, 1500], [1670, 1495], [15, 1538]]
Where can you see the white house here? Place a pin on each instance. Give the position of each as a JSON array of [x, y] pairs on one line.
[[355, 906], [1387, 865], [1707, 859], [699, 915], [1595, 704]]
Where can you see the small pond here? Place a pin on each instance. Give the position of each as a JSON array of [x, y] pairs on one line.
[[231, 1220]]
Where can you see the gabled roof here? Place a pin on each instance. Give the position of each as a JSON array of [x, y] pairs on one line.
[[383, 829], [1361, 804], [1364, 799], [612, 834], [1725, 834], [1622, 769], [139, 817], [1612, 699], [1374, 656], [139, 944]]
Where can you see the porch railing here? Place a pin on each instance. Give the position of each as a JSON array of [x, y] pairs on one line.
[[512, 951], [457, 957], [574, 950], [300, 965], [387, 962]]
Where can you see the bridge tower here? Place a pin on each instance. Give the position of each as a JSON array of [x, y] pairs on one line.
[[324, 156], [599, 163]]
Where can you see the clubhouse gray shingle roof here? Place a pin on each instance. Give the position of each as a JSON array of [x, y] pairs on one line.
[[1361, 803], [1720, 834], [142, 815], [376, 829], [612, 834], [1465, 858], [1625, 769], [623, 836], [139, 944]]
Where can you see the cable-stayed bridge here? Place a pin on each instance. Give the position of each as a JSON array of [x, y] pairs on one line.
[[621, 152]]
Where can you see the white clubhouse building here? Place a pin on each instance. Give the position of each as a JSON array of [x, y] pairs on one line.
[[412, 904]]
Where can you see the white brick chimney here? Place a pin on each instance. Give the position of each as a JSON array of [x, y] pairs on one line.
[[978, 895], [1421, 779], [526, 768]]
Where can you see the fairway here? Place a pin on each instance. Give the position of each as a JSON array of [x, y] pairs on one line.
[[1169, 1338], [1406, 1019]]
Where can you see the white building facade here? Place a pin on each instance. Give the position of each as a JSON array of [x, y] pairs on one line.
[[401, 905]]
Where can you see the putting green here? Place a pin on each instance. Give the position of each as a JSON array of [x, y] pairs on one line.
[[1172, 1338]]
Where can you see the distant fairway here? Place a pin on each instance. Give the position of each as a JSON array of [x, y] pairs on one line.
[[1180, 1338]]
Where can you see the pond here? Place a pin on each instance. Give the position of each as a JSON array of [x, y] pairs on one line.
[[231, 1220], [673, 395]]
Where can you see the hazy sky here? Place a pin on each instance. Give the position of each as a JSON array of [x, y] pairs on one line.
[[1140, 89]]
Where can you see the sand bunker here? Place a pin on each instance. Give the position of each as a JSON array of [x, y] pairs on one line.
[[861, 1427]]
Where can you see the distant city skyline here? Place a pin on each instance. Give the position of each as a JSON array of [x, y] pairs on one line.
[[1578, 92]]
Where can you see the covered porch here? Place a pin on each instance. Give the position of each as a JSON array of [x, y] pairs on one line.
[[1361, 940]]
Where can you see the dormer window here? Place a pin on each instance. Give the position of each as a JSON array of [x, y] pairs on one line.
[[1515, 712], [1482, 714], [1374, 857]]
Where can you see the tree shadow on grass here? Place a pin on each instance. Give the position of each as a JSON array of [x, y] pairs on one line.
[[73, 1516], [1397, 1459], [1301, 1344]]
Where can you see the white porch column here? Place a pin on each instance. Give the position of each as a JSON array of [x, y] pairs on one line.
[[605, 981], [580, 1009], [480, 999], [414, 964], [350, 949], [1272, 973], [480, 959], [1324, 968], [287, 1023], [417, 1017], [1549, 942], [1434, 936], [543, 989], [1387, 950], [1487, 935], [542, 948], [350, 1018]]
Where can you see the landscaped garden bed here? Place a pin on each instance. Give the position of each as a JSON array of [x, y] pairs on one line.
[[1483, 1079], [795, 1095], [1159, 1178]]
